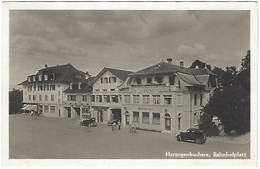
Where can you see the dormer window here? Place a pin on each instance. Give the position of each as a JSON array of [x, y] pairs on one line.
[[79, 86], [40, 77], [52, 76], [29, 79], [158, 79], [45, 77], [34, 78], [138, 80], [71, 86]]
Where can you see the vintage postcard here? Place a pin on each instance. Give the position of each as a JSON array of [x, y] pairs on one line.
[[129, 83]]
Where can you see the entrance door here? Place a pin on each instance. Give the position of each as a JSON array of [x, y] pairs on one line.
[[69, 112], [167, 122], [101, 115], [127, 120]]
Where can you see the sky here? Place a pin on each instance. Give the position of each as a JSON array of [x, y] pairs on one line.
[[129, 40]]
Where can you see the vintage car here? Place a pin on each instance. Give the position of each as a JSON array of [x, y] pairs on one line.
[[192, 134], [112, 122], [89, 122]]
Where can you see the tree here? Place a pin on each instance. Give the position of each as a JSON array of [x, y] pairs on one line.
[[232, 106], [15, 101], [200, 64], [231, 102]]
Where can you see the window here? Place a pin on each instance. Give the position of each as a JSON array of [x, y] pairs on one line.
[[136, 117], [136, 99], [149, 80], [34, 97], [146, 99], [201, 99], [45, 77], [46, 97], [58, 93], [105, 80], [138, 80], [127, 99], [167, 99], [104, 90], [34, 88], [101, 80], [112, 90], [52, 109], [114, 98], [113, 79], [29, 97], [29, 79], [46, 108], [179, 99], [93, 98], [158, 79], [59, 101], [145, 118], [40, 97], [52, 87], [47, 87], [99, 98], [97, 90], [40, 77], [52, 76], [156, 118], [195, 99], [52, 97], [84, 98], [156, 99], [107, 98], [71, 98], [171, 80], [34, 78]]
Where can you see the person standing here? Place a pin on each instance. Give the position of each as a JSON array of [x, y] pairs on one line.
[[119, 124]]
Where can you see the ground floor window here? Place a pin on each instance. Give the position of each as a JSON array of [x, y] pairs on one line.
[[145, 118], [52, 109], [136, 117], [46, 108], [156, 118]]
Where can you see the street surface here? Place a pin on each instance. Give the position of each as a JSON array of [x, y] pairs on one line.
[[32, 137]]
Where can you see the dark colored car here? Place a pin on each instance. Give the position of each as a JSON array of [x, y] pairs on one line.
[[89, 122], [192, 134], [112, 122]]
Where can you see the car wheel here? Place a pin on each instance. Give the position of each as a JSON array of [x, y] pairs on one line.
[[178, 138], [198, 141]]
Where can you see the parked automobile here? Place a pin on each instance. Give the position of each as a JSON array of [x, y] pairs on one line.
[[192, 134], [89, 122], [112, 122]]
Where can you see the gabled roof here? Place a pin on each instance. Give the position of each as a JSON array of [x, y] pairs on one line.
[[63, 74], [190, 79], [121, 74], [201, 71], [85, 88], [161, 67]]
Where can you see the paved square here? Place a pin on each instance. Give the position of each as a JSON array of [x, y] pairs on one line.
[[33, 137]]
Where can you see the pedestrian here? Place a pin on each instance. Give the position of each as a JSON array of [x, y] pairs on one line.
[[119, 124], [32, 113], [135, 128]]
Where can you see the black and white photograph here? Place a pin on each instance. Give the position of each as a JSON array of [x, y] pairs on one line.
[[137, 81]]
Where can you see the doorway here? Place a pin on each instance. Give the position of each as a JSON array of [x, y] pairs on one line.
[[167, 122], [69, 112]]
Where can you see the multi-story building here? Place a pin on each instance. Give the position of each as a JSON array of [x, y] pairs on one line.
[[166, 97], [106, 100], [46, 89]]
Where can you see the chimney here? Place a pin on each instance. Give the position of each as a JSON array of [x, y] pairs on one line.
[[181, 64], [169, 60], [45, 65]]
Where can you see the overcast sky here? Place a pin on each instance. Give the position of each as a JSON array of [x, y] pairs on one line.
[[130, 40]]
